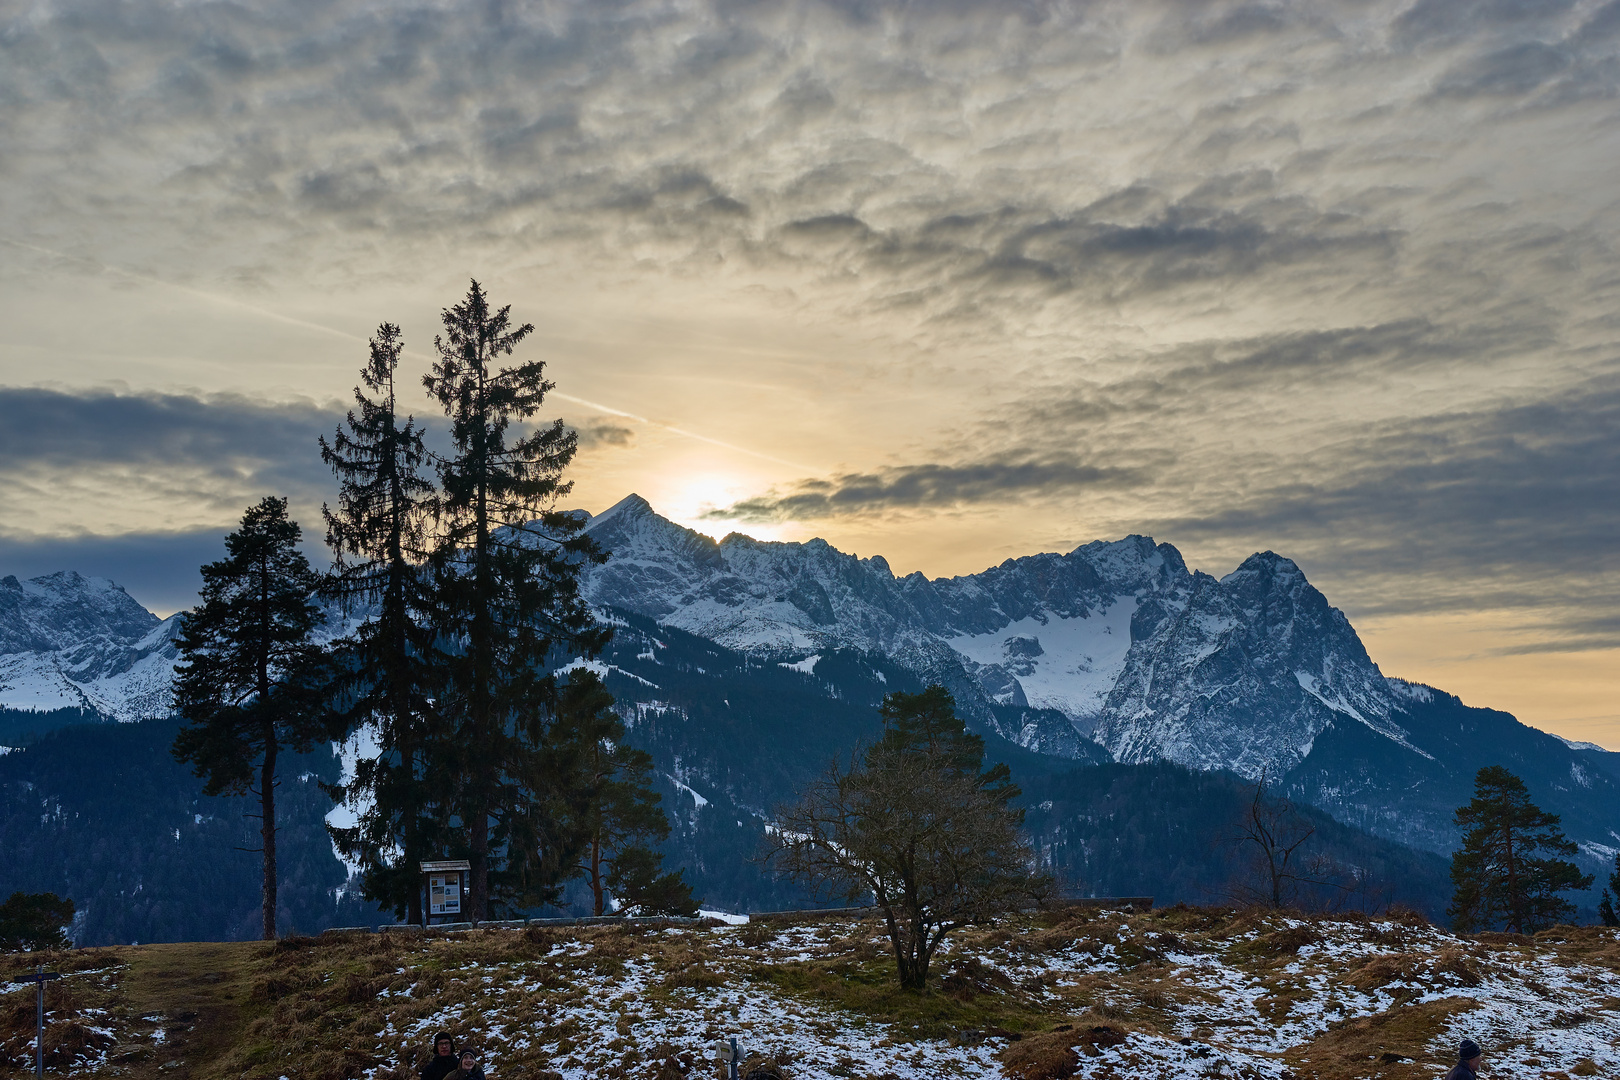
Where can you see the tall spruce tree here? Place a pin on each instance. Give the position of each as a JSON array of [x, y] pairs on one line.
[[506, 572], [384, 667], [250, 680], [616, 809], [1498, 877]]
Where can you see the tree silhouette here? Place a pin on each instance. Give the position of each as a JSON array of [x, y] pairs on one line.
[[1498, 877], [617, 812], [251, 680], [385, 665], [506, 568]]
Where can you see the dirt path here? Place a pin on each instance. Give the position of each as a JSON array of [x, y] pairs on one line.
[[196, 994]]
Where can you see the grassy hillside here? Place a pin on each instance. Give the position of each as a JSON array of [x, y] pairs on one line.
[[1176, 992]]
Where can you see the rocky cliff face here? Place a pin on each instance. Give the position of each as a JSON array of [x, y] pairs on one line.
[[72, 642], [1119, 646], [1244, 676], [1147, 658]]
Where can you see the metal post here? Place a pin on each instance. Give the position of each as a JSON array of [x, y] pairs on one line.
[[39, 1030], [733, 1055], [39, 978]]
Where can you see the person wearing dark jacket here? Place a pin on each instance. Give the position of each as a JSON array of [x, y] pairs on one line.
[[1469, 1059], [443, 1062], [470, 1069]]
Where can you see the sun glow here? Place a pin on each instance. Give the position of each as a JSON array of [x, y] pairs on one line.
[[693, 499]]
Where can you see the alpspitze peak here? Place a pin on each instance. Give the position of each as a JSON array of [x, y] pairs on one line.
[[632, 505]]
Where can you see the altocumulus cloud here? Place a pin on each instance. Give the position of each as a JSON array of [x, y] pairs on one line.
[[1336, 275], [962, 165]]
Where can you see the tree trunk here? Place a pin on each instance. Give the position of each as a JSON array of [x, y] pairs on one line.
[[267, 828], [483, 632], [413, 841], [1515, 903], [479, 858], [600, 904]]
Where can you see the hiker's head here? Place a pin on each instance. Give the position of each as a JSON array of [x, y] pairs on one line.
[[1469, 1052], [468, 1060], [443, 1044]]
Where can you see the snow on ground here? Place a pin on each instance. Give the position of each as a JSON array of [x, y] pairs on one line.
[[1102, 995], [1171, 994]]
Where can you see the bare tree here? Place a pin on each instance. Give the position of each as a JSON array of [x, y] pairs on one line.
[[1273, 833], [916, 826]]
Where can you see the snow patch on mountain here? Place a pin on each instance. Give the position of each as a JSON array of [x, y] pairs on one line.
[[601, 670], [68, 641], [1068, 664]]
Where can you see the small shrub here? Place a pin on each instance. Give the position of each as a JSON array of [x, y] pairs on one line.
[[1288, 941], [1047, 1056], [756, 935]]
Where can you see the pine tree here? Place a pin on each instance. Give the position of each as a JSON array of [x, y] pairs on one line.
[[618, 812], [377, 537], [35, 921], [926, 722], [1606, 903], [506, 572], [250, 679], [1497, 876]]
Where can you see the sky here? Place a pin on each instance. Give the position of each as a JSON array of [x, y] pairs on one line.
[[949, 282]]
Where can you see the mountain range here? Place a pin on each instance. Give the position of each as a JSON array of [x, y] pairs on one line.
[[1118, 648], [1113, 652]]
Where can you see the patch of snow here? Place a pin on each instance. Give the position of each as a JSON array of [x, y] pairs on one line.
[[807, 666], [1573, 745], [723, 916], [1068, 664], [696, 798], [602, 670]]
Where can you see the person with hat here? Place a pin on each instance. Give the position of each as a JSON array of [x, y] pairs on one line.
[[470, 1069], [1469, 1059], [444, 1060]]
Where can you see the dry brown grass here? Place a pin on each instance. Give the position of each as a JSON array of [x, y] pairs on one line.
[[1448, 968], [72, 1035], [309, 1008], [1055, 1054], [1391, 1045]]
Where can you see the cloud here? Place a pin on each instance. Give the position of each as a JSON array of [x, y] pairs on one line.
[[221, 447], [923, 486], [1242, 274], [97, 462], [601, 433], [1512, 507], [787, 139]]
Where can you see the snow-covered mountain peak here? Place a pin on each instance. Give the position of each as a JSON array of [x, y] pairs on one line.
[[631, 506], [70, 641], [1135, 558], [64, 609], [1151, 659]]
